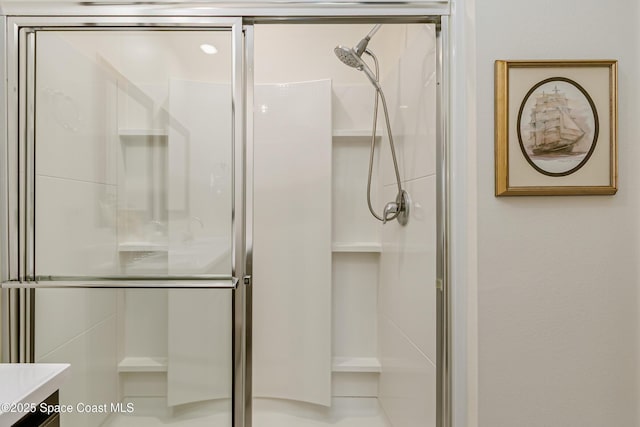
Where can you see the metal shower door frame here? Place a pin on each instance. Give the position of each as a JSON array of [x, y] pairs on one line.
[[17, 301], [17, 194]]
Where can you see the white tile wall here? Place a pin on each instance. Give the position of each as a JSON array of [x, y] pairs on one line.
[[63, 314], [410, 90], [145, 322], [355, 302], [93, 376], [352, 221], [101, 363], [408, 380], [354, 274], [75, 389], [408, 267], [407, 295], [353, 106], [75, 227]]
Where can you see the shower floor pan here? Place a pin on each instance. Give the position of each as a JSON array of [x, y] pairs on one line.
[[345, 412]]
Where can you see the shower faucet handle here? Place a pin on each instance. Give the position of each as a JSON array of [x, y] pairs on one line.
[[399, 209], [390, 209]]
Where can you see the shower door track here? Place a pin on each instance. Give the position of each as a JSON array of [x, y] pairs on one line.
[[17, 302]]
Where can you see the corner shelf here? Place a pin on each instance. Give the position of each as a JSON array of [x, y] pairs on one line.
[[363, 135], [143, 247], [373, 247], [356, 364], [143, 364], [142, 132]]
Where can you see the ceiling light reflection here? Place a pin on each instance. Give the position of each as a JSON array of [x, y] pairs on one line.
[[209, 49]]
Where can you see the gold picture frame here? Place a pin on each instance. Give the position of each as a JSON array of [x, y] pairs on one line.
[[556, 128]]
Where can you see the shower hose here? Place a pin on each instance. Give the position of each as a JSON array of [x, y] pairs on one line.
[[379, 93]]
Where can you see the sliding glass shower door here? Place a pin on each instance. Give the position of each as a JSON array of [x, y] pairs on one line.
[[133, 154], [126, 155]]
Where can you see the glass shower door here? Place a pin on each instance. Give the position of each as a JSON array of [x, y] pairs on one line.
[[133, 154], [130, 218]]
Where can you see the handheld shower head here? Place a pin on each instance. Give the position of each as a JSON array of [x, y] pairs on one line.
[[353, 56], [350, 57]]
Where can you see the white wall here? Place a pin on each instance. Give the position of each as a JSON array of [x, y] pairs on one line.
[[558, 276], [309, 51], [407, 294]]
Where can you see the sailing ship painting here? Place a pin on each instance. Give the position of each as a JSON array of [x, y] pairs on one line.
[[557, 127]]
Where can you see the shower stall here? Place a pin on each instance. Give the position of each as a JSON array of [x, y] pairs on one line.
[[217, 222]]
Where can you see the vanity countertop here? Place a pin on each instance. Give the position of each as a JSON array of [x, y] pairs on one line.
[[22, 383]]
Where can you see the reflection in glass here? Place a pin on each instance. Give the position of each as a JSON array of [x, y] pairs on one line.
[[133, 153], [142, 348]]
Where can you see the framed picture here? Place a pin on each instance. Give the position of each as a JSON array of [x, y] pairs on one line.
[[556, 127]]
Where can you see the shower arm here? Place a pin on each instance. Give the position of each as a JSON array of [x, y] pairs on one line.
[[379, 92], [374, 30], [361, 47]]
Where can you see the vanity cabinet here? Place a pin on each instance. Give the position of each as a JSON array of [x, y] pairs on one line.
[[41, 418], [31, 386]]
